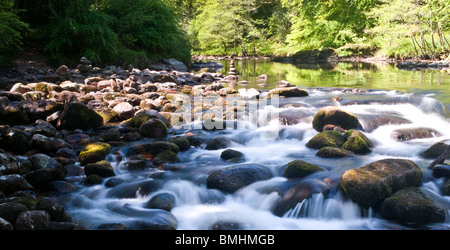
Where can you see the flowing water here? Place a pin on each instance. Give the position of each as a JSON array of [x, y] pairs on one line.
[[421, 98]]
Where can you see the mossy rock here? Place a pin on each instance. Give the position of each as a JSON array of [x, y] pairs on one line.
[[412, 206], [101, 168], [299, 169], [153, 128], [329, 138], [140, 118], [370, 184], [93, 179], [42, 86], [357, 145], [434, 151], [288, 92], [336, 116], [94, 152], [109, 115], [164, 201], [218, 142], [182, 143], [333, 152], [154, 148], [166, 156], [231, 154], [354, 132]]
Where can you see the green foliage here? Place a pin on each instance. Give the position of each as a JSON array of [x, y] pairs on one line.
[[10, 31]]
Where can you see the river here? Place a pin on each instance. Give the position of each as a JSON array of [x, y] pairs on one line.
[[421, 97]]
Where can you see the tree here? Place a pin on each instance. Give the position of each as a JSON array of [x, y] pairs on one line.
[[10, 31]]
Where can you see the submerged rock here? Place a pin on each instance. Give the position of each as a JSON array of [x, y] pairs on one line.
[[288, 92], [218, 143], [336, 116], [369, 185], [230, 179], [329, 138], [407, 134], [333, 152], [412, 205], [164, 201]]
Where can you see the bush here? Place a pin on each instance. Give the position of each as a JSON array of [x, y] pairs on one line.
[[10, 31]]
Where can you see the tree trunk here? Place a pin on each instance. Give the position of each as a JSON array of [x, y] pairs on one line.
[[415, 48], [432, 31]]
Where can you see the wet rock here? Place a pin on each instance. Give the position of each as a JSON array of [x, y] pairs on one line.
[[12, 183], [5, 225], [288, 92], [440, 171], [94, 152], [124, 110], [231, 154], [54, 209], [335, 116], [12, 113], [227, 225], [182, 143], [231, 179], [164, 201], [166, 156], [78, 116], [8, 164], [45, 170], [15, 140], [297, 193], [41, 161], [41, 143], [412, 205], [32, 220], [153, 128], [446, 188], [408, 134], [299, 169], [154, 148], [333, 152], [434, 151], [329, 138], [44, 128], [101, 168], [369, 185], [372, 122], [10, 210], [112, 226], [59, 226], [357, 142], [218, 143], [92, 180]]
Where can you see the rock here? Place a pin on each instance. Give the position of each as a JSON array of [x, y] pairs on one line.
[[369, 185], [299, 169], [164, 201], [102, 168], [8, 164], [231, 179], [182, 143], [135, 163], [112, 226], [218, 143], [154, 148], [12, 113], [329, 138], [10, 210], [412, 205], [356, 144], [407, 134], [78, 116], [54, 209], [176, 65], [288, 92], [335, 116], [166, 156], [446, 188], [124, 110], [41, 143], [42, 161], [15, 140], [32, 220], [372, 122], [63, 71], [5, 225], [84, 69], [92, 180], [333, 152], [94, 152], [45, 170], [297, 193], [12, 183], [434, 151], [227, 225], [20, 88], [40, 109], [153, 128], [165, 78], [440, 171], [44, 128], [231, 154]]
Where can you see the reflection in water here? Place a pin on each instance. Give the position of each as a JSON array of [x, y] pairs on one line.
[[382, 76]]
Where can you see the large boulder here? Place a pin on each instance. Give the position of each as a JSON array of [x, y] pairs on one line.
[[407, 134], [369, 185], [357, 142], [336, 116], [299, 169], [435, 150], [45, 170], [412, 205], [12, 183], [102, 168], [153, 128], [77, 115], [329, 138], [230, 179]]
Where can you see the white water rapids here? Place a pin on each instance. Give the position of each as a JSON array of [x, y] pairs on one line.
[[197, 207]]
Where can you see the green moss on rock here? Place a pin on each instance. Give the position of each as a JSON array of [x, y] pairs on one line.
[[299, 169], [357, 145], [102, 168], [333, 152], [335, 116], [328, 138], [94, 152], [166, 156]]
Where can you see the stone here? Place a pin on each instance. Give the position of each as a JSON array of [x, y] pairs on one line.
[[54, 209], [230, 179], [329, 138], [10, 210], [8, 164], [12, 113], [407, 134], [182, 143], [299, 169], [5, 225], [412, 205], [101, 168], [78, 116], [218, 142], [153, 128], [15, 140], [440, 171], [166, 156], [336, 116], [357, 145], [32, 220], [164, 201], [229, 154], [124, 110], [176, 65], [434, 151], [63, 71], [370, 184], [154, 148], [94, 152], [14, 182], [333, 152], [288, 92]]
